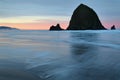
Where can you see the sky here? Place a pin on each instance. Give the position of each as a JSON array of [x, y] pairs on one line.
[[41, 14]]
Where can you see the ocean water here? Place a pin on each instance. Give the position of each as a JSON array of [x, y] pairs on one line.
[[59, 55]]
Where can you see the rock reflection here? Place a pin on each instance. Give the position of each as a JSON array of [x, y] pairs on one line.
[[91, 63], [81, 50]]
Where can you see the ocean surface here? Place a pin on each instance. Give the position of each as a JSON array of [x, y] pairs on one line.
[[59, 55]]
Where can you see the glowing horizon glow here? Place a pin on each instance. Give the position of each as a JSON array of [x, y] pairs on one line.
[[32, 26], [34, 22]]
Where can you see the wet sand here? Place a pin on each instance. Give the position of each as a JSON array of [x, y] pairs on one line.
[[79, 55], [15, 71]]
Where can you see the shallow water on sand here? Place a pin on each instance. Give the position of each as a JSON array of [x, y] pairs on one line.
[[60, 55]]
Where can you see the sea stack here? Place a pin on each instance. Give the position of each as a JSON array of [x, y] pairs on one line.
[[113, 27], [57, 27], [85, 18]]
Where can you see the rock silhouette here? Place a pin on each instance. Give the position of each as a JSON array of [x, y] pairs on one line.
[[85, 18], [113, 27], [7, 28], [57, 27]]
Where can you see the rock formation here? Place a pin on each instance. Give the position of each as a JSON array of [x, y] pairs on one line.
[[85, 18], [57, 27], [7, 28], [113, 27]]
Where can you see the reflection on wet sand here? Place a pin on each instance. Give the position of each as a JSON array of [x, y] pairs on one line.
[[95, 62]]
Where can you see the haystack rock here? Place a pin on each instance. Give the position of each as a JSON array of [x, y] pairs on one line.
[[57, 27], [85, 18]]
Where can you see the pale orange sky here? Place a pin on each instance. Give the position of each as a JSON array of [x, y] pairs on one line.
[[32, 26], [34, 22]]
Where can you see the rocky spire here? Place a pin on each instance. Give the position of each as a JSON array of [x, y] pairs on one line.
[[84, 18]]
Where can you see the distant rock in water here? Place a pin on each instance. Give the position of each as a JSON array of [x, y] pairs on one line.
[[57, 27], [7, 28], [113, 27], [85, 18]]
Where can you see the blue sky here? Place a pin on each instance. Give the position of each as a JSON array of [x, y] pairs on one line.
[[55, 11]]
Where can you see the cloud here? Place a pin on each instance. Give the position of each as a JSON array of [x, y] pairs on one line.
[[11, 8], [35, 19]]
